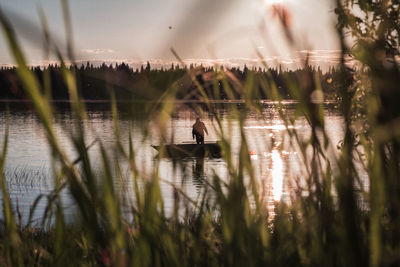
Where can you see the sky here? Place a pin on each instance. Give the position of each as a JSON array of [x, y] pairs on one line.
[[225, 31]]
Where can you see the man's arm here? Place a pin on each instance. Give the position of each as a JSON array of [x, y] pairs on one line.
[[205, 128]]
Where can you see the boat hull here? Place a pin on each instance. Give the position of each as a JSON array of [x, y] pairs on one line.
[[189, 150]]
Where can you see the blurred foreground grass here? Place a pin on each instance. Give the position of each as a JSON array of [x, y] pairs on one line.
[[336, 223]]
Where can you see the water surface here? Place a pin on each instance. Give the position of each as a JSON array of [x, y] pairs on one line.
[[276, 159]]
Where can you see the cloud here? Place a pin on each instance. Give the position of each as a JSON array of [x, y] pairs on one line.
[[97, 51], [319, 51], [323, 59], [6, 65]]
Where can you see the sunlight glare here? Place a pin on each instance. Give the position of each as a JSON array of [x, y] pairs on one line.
[[277, 175]]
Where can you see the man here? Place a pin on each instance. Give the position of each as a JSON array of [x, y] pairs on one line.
[[198, 131]]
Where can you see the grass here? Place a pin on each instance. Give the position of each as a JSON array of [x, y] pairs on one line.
[[229, 224]]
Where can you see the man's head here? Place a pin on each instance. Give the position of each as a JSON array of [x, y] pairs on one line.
[[197, 119]]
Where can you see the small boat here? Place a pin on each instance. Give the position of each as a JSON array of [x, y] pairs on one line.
[[211, 149]]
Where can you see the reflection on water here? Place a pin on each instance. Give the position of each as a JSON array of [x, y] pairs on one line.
[[275, 160], [198, 171], [277, 175], [278, 127]]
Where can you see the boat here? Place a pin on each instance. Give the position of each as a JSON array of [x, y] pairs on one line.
[[209, 149]]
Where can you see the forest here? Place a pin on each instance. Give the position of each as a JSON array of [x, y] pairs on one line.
[[147, 84]]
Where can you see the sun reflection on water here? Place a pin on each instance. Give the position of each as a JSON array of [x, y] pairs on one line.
[[277, 175], [277, 127]]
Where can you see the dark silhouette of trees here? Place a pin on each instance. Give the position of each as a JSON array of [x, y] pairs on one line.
[[147, 83]]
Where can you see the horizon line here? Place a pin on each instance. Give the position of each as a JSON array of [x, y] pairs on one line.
[[269, 62]]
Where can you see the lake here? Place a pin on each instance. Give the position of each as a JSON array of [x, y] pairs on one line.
[[276, 160]]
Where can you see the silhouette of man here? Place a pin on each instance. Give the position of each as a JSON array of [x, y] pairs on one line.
[[198, 131]]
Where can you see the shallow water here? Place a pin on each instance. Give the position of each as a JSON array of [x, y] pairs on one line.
[[277, 163]]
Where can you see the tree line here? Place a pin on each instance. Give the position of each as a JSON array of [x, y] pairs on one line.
[[190, 82]]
